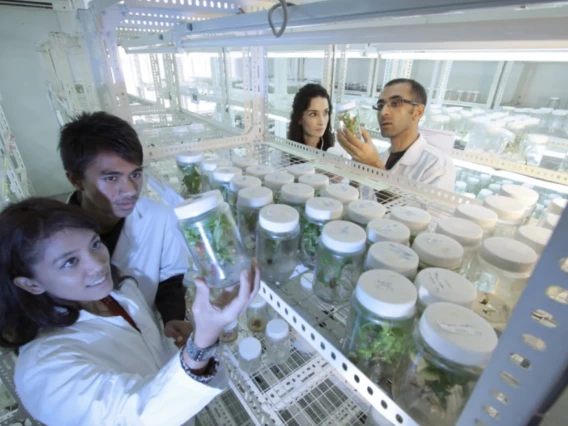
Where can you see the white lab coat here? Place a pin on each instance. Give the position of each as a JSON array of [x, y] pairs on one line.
[[100, 371], [427, 164]]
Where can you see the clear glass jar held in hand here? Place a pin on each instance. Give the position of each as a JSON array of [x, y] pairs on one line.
[[362, 212], [347, 117], [417, 220], [441, 285], [249, 203], [339, 261], [438, 251], [394, 257], [188, 164], [277, 341], [450, 347]]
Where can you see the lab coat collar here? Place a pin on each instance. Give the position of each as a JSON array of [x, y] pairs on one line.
[[414, 152]]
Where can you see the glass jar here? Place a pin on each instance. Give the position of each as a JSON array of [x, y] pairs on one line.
[[221, 179], [188, 164], [347, 116], [465, 232], [362, 212], [393, 257], [417, 220], [249, 203], [319, 211], [553, 102], [460, 187], [230, 333], [557, 122], [534, 147], [475, 138], [440, 285], [450, 347], [484, 180], [250, 350], [317, 181], [439, 122], [496, 140], [277, 242], [526, 196], [387, 230], [472, 185], [379, 326], [257, 314], [302, 169], [557, 206], [483, 194], [533, 236], [275, 181], [243, 162], [341, 192], [465, 123], [238, 183], [482, 216], [460, 95], [550, 221], [259, 171], [296, 195], [213, 239], [438, 251], [511, 214], [277, 342], [339, 261], [519, 129], [495, 187], [207, 167], [455, 120]]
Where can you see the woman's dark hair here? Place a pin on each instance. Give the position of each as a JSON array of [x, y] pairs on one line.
[[301, 104], [23, 229]]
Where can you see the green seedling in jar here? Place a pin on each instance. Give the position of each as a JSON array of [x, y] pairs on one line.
[[334, 271], [191, 178], [310, 236], [351, 122]]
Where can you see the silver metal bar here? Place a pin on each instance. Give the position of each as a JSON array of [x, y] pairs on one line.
[[495, 84], [503, 84]]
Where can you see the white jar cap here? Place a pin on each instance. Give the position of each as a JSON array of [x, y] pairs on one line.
[[516, 126], [560, 112], [242, 182], [473, 180], [279, 218], [364, 211], [485, 177], [505, 207], [557, 206], [386, 294], [528, 197], [483, 194], [341, 192], [225, 174], [387, 230], [458, 334], [508, 254], [546, 110], [537, 138], [277, 329], [465, 232], [440, 118], [301, 169], [345, 107], [506, 182], [316, 181], [460, 184], [441, 285], [416, 219], [296, 193], [394, 257], [551, 221], [495, 187], [343, 237], [469, 195], [323, 208], [211, 164], [250, 348], [259, 171], [483, 216], [258, 302], [277, 180], [438, 250], [534, 237], [244, 162], [254, 197], [198, 204], [189, 157]]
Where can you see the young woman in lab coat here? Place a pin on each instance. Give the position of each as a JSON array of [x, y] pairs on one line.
[[90, 350]]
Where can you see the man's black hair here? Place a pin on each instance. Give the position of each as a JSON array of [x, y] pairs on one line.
[[418, 92]]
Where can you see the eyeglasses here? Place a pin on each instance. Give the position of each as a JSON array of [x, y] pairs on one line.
[[394, 103]]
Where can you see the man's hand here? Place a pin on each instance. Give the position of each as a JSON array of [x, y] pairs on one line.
[[362, 152], [179, 331]]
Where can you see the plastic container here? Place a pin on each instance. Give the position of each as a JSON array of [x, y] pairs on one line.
[[319, 211], [277, 342], [438, 251], [450, 347], [553, 102], [249, 203], [482, 216], [339, 261], [483, 194], [460, 187], [213, 239], [534, 237], [439, 122], [511, 214], [557, 206], [347, 116], [236, 184], [379, 230], [250, 351], [519, 129], [275, 181], [440, 285], [557, 122], [465, 232], [277, 241], [222, 177], [317, 181], [189, 164], [393, 257], [485, 180], [296, 195], [259, 171], [417, 220], [526, 196], [341, 192], [230, 333], [495, 187], [550, 221], [362, 212], [472, 185], [534, 147], [302, 169], [243, 162], [379, 326], [207, 167]]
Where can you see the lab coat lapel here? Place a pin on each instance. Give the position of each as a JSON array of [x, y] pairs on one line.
[[410, 157]]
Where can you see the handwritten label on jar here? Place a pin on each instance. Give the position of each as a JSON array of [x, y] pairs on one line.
[[400, 253], [384, 285], [459, 328], [387, 229], [440, 284]]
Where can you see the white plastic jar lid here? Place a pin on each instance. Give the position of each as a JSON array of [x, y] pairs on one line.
[[416, 219], [225, 174], [341, 192], [387, 294], [441, 285], [484, 193], [211, 164], [278, 218], [189, 157], [323, 208], [242, 182], [277, 329], [551, 221], [364, 211], [387, 230], [465, 232], [537, 138], [557, 206], [254, 197], [301, 169], [473, 180], [345, 107], [438, 250], [258, 302], [392, 256], [460, 184], [495, 187], [560, 112], [505, 207], [244, 162], [259, 171], [458, 334], [277, 180], [533, 236], [250, 348], [296, 193], [198, 204], [343, 237], [316, 181], [528, 197], [508, 254], [483, 216]]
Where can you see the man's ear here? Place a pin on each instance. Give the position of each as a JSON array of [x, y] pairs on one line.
[[74, 180], [29, 285], [419, 109]]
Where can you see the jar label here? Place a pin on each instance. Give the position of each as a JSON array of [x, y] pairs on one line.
[[384, 285], [459, 328], [402, 254], [387, 229], [440, 284]]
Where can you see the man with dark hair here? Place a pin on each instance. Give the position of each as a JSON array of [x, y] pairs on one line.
[[400, 107], [103, 157]]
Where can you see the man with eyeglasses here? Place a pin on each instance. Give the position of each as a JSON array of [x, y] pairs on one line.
[[399, 109]]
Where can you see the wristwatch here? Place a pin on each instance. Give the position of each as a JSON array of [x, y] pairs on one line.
[[200, 354]]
